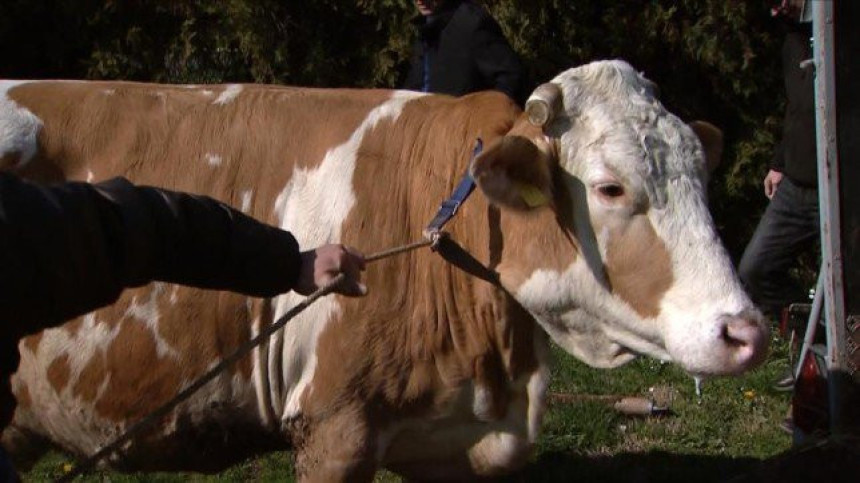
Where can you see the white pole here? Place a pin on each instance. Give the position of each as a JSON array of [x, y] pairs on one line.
[[828, 194]]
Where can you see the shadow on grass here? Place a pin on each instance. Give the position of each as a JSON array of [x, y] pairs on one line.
[[831, 464], [655, 466]]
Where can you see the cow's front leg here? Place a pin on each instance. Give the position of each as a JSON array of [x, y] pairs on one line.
[[337, 448]]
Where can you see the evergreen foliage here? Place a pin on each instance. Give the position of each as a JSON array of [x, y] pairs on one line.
[[713, 59]]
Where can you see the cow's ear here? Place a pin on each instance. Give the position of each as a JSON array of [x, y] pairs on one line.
[[514, 172], [712, 142]]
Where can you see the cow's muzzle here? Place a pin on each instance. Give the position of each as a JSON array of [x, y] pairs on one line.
[[745, 338]]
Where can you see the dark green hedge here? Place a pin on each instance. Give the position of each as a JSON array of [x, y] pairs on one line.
[[713, 59]]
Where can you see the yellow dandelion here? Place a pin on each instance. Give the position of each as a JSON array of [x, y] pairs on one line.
[[749, 395]]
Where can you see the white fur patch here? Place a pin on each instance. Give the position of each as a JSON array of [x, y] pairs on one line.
[[260, 377], [482, 403], [498, 452], [228, 95], [213, 160], [64, 416], [245, 200], [298, 360], [148, 313], [537, 386], [19, 128], [313, 206]]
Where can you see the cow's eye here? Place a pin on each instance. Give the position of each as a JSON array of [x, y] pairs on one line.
[[610, 190]]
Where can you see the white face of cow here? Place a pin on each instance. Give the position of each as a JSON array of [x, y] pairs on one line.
[[648, 274]]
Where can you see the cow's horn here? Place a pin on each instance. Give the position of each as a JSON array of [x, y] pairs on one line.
[[544, 104]]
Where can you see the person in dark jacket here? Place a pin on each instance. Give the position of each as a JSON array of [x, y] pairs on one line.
[[790, 224], [461, 49], [68, 249]]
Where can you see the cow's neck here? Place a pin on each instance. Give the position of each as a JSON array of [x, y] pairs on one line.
[[491, 253], [428, 329]]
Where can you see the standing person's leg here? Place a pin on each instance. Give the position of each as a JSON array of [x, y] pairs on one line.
[[789, 226]]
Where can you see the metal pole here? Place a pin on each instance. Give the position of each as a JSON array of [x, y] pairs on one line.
[[828, 193], [811, 323]]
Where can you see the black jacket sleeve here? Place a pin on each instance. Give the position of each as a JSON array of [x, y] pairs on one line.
[[777, 162], [68, 249]]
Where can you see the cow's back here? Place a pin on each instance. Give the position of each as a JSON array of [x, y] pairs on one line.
[[223, 141]]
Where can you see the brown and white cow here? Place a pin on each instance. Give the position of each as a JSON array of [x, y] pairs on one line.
[[592, 218]]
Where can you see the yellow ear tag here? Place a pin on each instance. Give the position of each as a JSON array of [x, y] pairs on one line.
[[531, 195]]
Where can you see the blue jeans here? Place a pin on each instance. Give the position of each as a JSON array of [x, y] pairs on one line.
[[789, 226]]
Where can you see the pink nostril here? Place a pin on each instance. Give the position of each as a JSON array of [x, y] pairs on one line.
[[747, 338]]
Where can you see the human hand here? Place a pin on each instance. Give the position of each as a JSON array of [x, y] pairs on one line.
[[321, 265], [771, 183]]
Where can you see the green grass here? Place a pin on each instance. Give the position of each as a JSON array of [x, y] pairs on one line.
[[729, 431]]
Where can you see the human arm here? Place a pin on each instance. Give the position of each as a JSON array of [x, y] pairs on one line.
[[68, 249]]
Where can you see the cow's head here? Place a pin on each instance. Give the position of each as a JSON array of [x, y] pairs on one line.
[[625, 181]]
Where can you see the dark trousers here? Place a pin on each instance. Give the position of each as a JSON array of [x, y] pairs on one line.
[[7, 471], [789, 226]]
